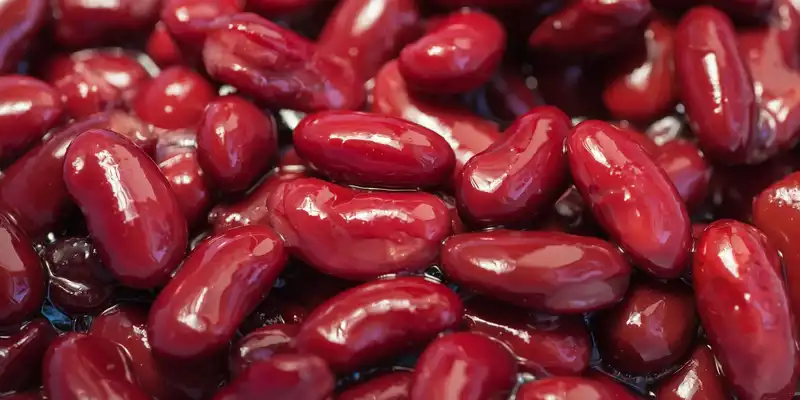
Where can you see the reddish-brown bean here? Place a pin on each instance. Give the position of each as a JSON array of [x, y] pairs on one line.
[[22, 355], [131, 211], [372, 150], [175, 99], [572, 388], [738, 290], [28, 109], [631, 197], [698, 379], [20, 22], [544, 271], [81, 23], [391, 386], [186, 178], [686, 168], [261, 344], [79, 282], [518, 176], [189, 21], [285, 377], [22, 277], [378, 319]]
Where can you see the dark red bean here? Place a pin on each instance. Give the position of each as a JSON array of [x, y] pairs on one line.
[[650, 330], [372, 150], [122, 194], [186, 178], [20, 22], [22, 354], [225, 277], [461, 54], [175, 99], [572, 388], [262, 344], [392, 386], [738, 289], [278, 67], [189, 21], [698, 379], [463, 366], [544, 271], [163, 49], [631, 197], [746, 10], [236, 143], [78, 366], [508, 95], [358, 235], [455, 4], [22, 277], [28, 109], [378, 319], [715, 86], [687, 170], [80, 23], [285, 377], [79, 282], [518, 176]]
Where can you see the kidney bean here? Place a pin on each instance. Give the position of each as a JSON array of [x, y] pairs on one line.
[[236, 142], [262, 344], [79, 366], [392, 386], [163, 48], [358, 235], [738, 289], [79, 282], [285, 376], [186, 178], [189, 21], [20, 22], [544, 271], [649, 146], [542, 344], [715, 86], [28, 109], [698, 379], [572, 388], [518, 176], [378, 319], [463, 366], [461, 54], [278, 67], [687, 170], [132, 128], [80, 24], [122, 194], [173, 142], [22, 279], [226, 277], [642, 85], [22, 355], [631, 198], [508, 95], [394, 152], [175, 99]]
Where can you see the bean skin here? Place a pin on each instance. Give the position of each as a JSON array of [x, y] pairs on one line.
[[174, 99], [22, 352], [30, 108], [262, 344], [20, 22], [285, 376], [22, 277], [392, 386], [572, 388], [698, 379]]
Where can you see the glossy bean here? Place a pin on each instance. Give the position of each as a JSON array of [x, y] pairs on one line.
[[262, 344], [188, 181], [174, 99], [572, 388], [28, 109], [687, 169], [189, 21], [81, 24], [20, 22], [22, 277], [22, 355], [163, 48], [285, 376], [391, 386], [698, 379], [79, 282]]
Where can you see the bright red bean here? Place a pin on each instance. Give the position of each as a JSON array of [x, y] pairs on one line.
[[262, 344], [372, 150], [236, 143], [392, 386], [715, 86], [189, 21], [79, 282], [278, 67], [174, 99], [544, 271], [738, 290], [378, 319], [698, 379], [572, 388], [22, 277], [187, 180], [22, 355], [285, 377], [80, 23], [20, 22], [542, 344], [518, 176], [687, 170], [163, 48], [463, 366], [130, 209], [461, 54], [28, 109], [631, 197]]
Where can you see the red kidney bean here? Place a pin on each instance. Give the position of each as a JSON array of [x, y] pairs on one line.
[[591, 26], [175, 99], [78, 366], [278, 67], [358, 235], [186, 178], [715, 86], [236, 143], [461, 54], [28, 109], [22, 355], [642, 140], [80, 23], [285, 376], [173, 142], [20, 22], [262, 344], [122, 194], [132, 128], [544, 271], [378, 319], [368, 43], [463, 366], [650, 330], [391, 386], [572, 388], [372, 150], [631, 198], [738, 289], [163, 48], [466, 133], [642, 85], [79, 282], [225, 278], [542, 344], [189, 21], [22, 278], [508, 95], [687, 170], [91, 81], [698, 379], [518, 176]]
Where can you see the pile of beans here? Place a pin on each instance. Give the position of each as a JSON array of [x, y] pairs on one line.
[[399, 199]]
